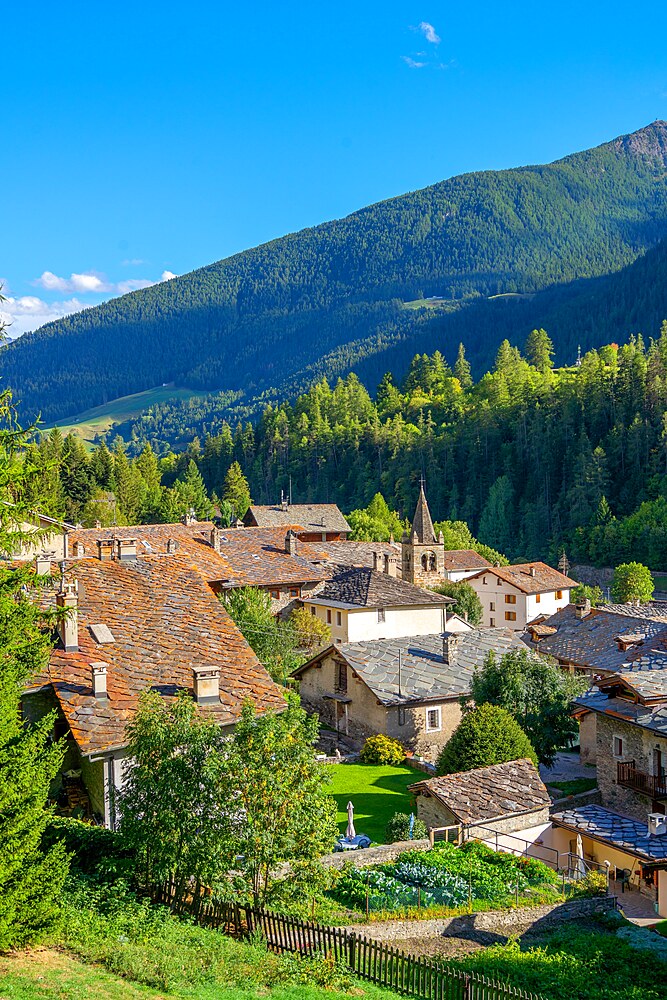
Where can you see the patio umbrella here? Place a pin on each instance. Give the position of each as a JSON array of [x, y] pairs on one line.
[[350, 833], [580, 864]]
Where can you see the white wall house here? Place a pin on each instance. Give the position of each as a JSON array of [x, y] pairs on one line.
[[352, 623], [513, 596]]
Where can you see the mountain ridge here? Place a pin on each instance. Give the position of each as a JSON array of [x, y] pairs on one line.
[[264, 315]]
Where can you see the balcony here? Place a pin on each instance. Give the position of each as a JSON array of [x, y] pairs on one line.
[[629, 776]]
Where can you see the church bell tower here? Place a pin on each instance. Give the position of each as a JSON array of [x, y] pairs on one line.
[[423, 556]]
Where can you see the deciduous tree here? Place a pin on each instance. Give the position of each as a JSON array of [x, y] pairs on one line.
[[487, 735]]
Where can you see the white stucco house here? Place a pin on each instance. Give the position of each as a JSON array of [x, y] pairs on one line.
[[513, 596]]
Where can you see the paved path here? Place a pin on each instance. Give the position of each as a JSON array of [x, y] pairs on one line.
[[566, 767], [636, 907]]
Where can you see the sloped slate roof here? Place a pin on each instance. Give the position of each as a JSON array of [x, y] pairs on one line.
[[461, 559], [544, 580], [165, 620], [590, 641], [650, 717], [627, 834], [656, 610], [366, 588], [421, 522], [248, 556], [306, 516], [486, 793], [352, 553], [424, 674]]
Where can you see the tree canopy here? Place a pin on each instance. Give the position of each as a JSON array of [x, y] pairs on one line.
[[486, 735]]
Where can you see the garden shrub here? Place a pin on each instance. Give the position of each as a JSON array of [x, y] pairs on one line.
[[592, 884], [398, 828], [95, 850], [487, 735], [382, 750]]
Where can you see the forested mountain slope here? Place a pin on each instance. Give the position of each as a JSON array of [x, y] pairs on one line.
[[263, 316]]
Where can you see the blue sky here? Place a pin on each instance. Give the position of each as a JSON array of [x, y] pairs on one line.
[[144, 140]]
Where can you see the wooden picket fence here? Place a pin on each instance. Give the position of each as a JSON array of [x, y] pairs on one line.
[[422, 978]]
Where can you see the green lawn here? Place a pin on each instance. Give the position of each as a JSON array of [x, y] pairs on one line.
[[376, 793], [100, 418], [575, 786]]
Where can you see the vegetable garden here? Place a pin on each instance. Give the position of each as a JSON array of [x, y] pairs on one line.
[[472, 876]]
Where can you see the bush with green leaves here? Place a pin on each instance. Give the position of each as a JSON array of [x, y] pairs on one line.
[[487, 735], [382, 750], [398, 828], [633, 583], [592, 884]]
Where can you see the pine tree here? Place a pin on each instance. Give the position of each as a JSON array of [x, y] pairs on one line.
[[31, 881], [236, 490], [540, 350], [462, 370]]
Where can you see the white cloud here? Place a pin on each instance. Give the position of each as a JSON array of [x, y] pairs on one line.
[[412, 63], [28, 312], [429, 32], [168, 275], [132, 284], [89, 281]]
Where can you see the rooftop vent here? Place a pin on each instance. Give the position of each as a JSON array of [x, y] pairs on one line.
[[172, 545], [126, 549], [190, 517], [101, 633], [657, 824], [291, 542], [533, 571], [105, 549], [582, 609], [450, 643], [99, 678], [628, 639], [206, 685], [79, 550]]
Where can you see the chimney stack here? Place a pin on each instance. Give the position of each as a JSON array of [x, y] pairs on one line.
[[284, 502], [79, 550], [375, 560], [450, 642], [98, 525], [582, 609], [43, 564], [290, 542], [206, 685], [105, 551], [190, 517], [216, 538], [172, 545], [533, 570], [99, 672], [68, 626], [126, 549]]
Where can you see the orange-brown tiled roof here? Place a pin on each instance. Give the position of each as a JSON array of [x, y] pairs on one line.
[[461, 559], [165, 620], [542, 580]]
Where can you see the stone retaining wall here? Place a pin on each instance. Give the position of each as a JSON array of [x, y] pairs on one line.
[[374, 855], [488, 925], [592, 797]]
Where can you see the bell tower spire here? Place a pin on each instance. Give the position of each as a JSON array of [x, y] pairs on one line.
[[423, 556]]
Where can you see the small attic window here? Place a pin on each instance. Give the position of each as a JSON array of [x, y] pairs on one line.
[[101, 634]]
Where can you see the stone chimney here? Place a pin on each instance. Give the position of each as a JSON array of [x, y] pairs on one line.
[[206, 685], [215, 538], [291, 539], [172, 545], [68, 626], [105, 548], [189, 518], [450, 642], [533, 571], [99, 672], [375, 560], [98, 525], [79, 550], [582, 609], [126, 549], [284, 502]]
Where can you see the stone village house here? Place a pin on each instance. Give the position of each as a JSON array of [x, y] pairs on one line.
[[408, 688], [514, 596]]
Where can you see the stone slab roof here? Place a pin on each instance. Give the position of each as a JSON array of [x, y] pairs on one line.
[[355, 586], [248, 557], [462, 559], [311, 517], [650, 717], [626, 834], [591, 641], [351, 553], [164, 620], [656, 610], [544, 580], [487, 793], [425, 676]]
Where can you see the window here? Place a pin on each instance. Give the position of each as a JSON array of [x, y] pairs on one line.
[[618, 746], [559, 595], [510, 616], [341, 678], [433, 723], [510, 598], [275, 594], [380, 614], [401, 716], [484, 581], [538, 598], [339, 618], [294, 591], [492, 622], [492, 605], [328, 618], [313, 611]]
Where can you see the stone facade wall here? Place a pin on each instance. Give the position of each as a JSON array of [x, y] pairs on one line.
[[588, 738], [367, 717], [637, 746], [491, 923], [373, 855], [433, 812]]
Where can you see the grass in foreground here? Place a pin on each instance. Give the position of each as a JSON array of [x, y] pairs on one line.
[[376, 793]]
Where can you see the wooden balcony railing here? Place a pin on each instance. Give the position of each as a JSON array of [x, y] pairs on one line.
[[633, 777]]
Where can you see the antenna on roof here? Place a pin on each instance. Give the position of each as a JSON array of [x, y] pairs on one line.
[[400, 652]]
